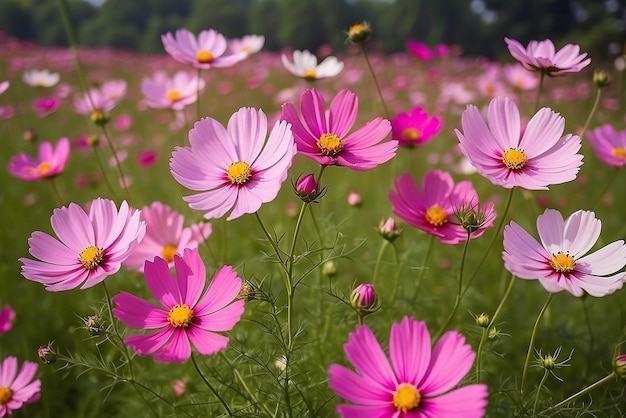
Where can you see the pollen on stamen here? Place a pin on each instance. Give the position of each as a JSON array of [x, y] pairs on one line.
[[173, 95], [168, 253], [91, 257], [562, 262], [514, 159], [411, 134], [619, 152], [329, 145], [310, 74], [6, 394], [204, 57], [436, 216], [180, 316], [239, 173], [407, 398]]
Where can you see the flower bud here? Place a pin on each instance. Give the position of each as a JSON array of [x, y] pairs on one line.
[[354, 199], [46, 355], [93, 140], [601, 78], [329, 268], [548, 362], [483, 320], [306, 188], [30, 135], [619, 365], [363, 296], [99, 117], [359, 32], [179, 387], [472, 218], [94, 326], [388, 229]]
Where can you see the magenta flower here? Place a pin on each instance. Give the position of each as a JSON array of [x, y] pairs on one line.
[[432, 208], [541, 56], [92, 245], [234, 167], [45, 106], [415, 128], [51, 162], [509, 155], [17, 389], [609, 144], [559, 261], [186, 316], [323, 135], [416, 381], [7, 315], [163, 92], [419, 50], [206, 51], [165, 236]]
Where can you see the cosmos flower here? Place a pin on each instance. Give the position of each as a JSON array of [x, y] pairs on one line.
[[17, 389], [165, 236], [609, 144], [7, 315], [4, 86], [186, 316], [559, 261], [51, 161], [415, 128], [419, 50], [432, 209], [45, 106], [508, 154], [519, 77], [234, 167], [206, 51], [92, 245], [40, 78], [541, 56], [416, 381], [163, 92], [98, 101], [305, 65], [323, 135], [247, 45]]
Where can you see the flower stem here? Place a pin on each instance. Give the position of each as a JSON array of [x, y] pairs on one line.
[[593, 112], [104, 174], [539, 91], [378, 259], [117, 162], [198, 95], [584, 391], [211, 388], [291, 287], [532, 343], [57, 191], [116, 331], [369, 65], [423, 267], [543, 380]]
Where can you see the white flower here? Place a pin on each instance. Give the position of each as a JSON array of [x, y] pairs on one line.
[[40, 78], [247, 45], [305, 65]]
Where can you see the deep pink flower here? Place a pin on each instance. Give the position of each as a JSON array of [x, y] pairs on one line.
[[17, 389], [147, 158], [6, 112], [609, 144], [44, 106], [206, 51], [7, 315], [92, 245], [415, 128], [323, 135], [559, 261], [541, 56], [186, 316], [163, 92], [51, 161], [508, 154], [432, 208], [123, 122], [165, 236], [416, 381], [234, 167], [419, 50]]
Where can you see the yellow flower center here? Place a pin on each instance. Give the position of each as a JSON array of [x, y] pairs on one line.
[[562, 263], [356, 29], [619, 152], [310, 74], [490, 88], [97, 116], [91, 257], [180, 316], [204, 57], [6, 394], [406, 398], [168, 253], [173, 95], [514, 159], [239, 173], [411, 134], [329, 145], [436, 216], [42, 168], [245, 50]]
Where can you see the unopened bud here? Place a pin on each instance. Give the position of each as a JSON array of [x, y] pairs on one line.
[[329, 268], [46, 355], [619, 365], [359, 32], [601, 78], [483, 320], [388, 229], [30, 135], [548, 362], [306, 188], [363, 296], [354, 199]]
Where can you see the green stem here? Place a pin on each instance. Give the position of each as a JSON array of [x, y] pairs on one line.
[[271, 241], [378, 259], [539, 91], [123, 178], [57, 191], [532, 343], [198, 95], [211, 388], [104, 174], [584, 391], [242, 382], [290, 289], [423, 267], [593, 112], [607, 186], [369, 65], [543, 380], [116, 331]]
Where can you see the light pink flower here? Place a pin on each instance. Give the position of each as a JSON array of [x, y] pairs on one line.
[[186, 317], [416, 381], [609, 144], [101, 100], [92, 245], [541, 56], [6, 112], [206, 51], [163, 92], [248, 45], [415, 128], [4, 86], [489, 83], [508, 154], [519, 77], [40, 78], [234, 167], [17, 389], [323, 135], [7, 315], [305, 65], [165, 236], [559, 261], [44, 106], [432, 208], [51, 161]]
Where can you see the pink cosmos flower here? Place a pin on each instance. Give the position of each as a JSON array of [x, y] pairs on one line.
[[234, 167], [101, 100], [163, 92], [7, 315], [206, 51], [432, 209], [4, 86], [248, 45], [519, 77], [489, 83], [6, 112], [92, 245], [559, 261], [509, 155], [147, 158], [165, 236], [17, 389], [609, 144], [323, 135], [415, 128], [416, 381], [186, 316], [419, 50], [541, 56], [51, 161], [305, 65], [44, 106]]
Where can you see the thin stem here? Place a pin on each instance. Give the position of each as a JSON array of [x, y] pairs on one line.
[[116, 331], [369, 65], [290, 288], [269, 238], [242, 382], [198, 95], [479, 351], [593, 112], [584, 391], [104, 174], [378, 259], [57, 191], [211, 388], [532, 343], [423, 267], [543, 380], [539, 90], [123, 178]]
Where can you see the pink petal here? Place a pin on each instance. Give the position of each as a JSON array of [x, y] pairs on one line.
[[138, 313], [409, 350], [205, 342], [358, 389], [368, 358]]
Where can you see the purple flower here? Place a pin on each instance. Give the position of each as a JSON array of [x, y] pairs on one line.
[[206, 51], [541, 56]]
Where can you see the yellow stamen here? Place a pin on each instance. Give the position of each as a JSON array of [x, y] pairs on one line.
[[239, 172], [204, 57], [619, 152], [91, 257], [310, 74], [42, 168], [6, 394], [356, 29], [406, 398], [436, 216], [329, 145], [562, 263], [411, 134], [173, 95], [180, 316], [245, 50], [514, 159], [168, 253]]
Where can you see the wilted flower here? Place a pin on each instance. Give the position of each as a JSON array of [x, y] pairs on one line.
[[46, 354]]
